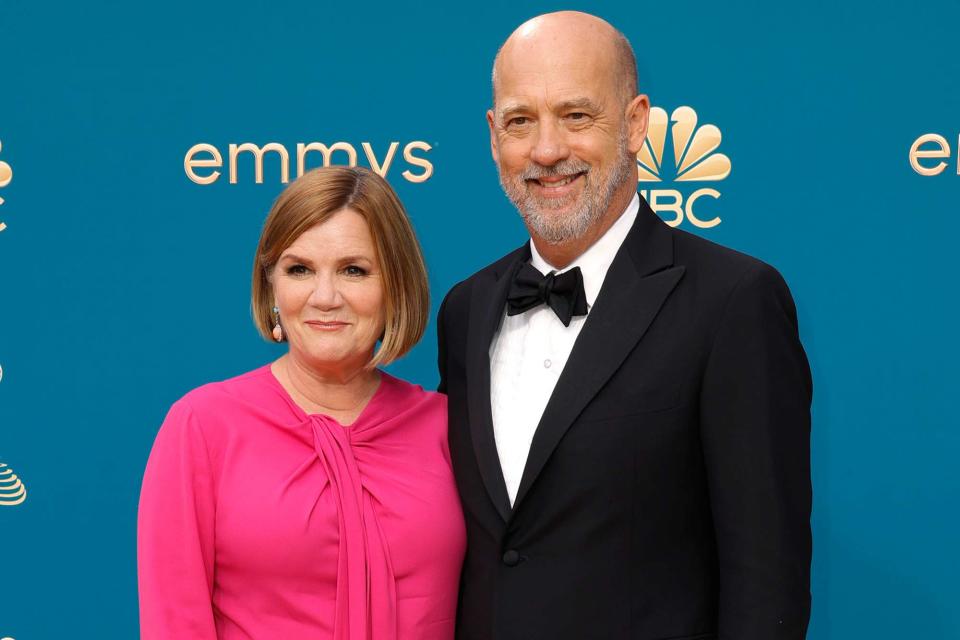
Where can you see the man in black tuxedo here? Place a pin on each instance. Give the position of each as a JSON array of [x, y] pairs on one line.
[[629, 403]]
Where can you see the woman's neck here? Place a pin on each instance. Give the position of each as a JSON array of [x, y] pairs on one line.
[[339, 394]]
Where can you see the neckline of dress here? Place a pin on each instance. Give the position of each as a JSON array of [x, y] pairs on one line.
[[385, 380]]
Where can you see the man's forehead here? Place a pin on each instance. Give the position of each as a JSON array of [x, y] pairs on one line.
[[532, 65], [554, 53], [551, 85]]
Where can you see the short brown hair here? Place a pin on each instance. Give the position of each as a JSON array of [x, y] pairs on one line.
[[311, 200]]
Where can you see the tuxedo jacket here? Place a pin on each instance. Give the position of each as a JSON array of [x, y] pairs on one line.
[[667, 492]]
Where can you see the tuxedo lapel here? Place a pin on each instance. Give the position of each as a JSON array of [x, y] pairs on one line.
[[638, 282], [487, 302]]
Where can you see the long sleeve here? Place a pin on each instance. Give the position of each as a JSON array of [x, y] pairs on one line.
[[175, 534], [755, 428]]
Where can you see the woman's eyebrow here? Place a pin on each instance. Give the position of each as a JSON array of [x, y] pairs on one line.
[[294, 257], [356, 258]]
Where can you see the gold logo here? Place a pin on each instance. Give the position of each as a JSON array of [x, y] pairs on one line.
[[12, 490], [921, 148], [6, 175], [209, 157], [694, 160]]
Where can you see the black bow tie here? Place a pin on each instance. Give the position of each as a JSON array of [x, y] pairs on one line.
[[563, 293]]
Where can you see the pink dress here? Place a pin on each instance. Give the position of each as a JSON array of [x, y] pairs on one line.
[[260, 522]]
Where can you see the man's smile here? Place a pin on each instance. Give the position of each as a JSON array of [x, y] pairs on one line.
[[556, 185]]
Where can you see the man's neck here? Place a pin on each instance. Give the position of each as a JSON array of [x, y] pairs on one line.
[[561, 254]]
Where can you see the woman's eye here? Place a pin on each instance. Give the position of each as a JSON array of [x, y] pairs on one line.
[[354, 270], [297, 270]]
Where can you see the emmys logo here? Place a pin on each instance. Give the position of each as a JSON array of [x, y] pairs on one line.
[[932, 146], [694, 161], [209, 158], [6, 175], [12, 491]]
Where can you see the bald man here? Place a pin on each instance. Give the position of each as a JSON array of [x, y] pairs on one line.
[[629, 403]]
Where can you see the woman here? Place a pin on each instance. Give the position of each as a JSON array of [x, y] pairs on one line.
[[312, 497]]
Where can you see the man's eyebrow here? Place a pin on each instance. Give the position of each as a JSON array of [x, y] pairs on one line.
[[578, 103], [509, 110], [584, 103]]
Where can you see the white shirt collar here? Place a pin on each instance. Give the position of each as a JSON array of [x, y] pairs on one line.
[[595, 261]]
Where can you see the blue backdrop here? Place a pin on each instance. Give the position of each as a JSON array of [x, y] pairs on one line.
[[124, 283]]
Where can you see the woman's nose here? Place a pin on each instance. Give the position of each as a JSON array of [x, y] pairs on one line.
[[325, 294]]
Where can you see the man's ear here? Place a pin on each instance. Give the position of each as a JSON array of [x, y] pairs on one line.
[[637, 115], [493, 137]]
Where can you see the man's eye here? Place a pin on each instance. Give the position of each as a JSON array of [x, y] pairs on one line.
[[354, 270], [577, 116], [519, 121]]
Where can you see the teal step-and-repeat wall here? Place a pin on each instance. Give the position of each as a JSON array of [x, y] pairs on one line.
[[131, 208]]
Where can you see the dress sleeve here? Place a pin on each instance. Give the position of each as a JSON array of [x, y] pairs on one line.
[[175, 533]]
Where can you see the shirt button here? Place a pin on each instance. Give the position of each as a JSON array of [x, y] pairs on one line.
[[511, 558], [547, 363]]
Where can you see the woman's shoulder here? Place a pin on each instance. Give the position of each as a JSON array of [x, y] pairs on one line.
[[215, 416], [409, 408], [243, 387], [224, 400], [417, 416], [405, 393]]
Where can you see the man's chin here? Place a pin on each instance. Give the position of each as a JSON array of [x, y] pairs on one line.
[[555, 227], [553, 208]]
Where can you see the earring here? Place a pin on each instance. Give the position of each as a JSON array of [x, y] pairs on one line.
[[277, 329]]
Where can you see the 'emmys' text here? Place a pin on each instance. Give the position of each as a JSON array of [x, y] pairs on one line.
[[203, 162]]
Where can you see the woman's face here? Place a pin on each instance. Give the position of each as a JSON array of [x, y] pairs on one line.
[[329, 289]]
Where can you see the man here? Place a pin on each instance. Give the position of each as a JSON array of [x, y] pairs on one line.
[[629, 403]]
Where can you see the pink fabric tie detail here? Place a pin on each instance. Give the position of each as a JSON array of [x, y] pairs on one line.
[[365, 572]]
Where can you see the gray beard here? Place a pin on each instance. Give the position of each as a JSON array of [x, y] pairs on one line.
[[593, 202]]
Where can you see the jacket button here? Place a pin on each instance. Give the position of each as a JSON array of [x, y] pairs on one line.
[[511, 558]]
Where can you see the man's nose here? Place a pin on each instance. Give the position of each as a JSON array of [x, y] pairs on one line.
[[550, 144], [326, 293]]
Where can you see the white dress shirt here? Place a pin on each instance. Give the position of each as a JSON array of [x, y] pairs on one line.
[[528, 353]]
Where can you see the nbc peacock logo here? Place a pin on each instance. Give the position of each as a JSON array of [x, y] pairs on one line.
[[694, 160], [6, 175], [12, 489]]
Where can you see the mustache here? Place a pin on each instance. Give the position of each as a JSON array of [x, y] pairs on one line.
[[562, 168]]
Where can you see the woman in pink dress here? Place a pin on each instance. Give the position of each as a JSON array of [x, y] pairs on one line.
[[311, 498]]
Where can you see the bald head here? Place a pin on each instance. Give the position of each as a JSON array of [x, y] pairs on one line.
[[572, 33]]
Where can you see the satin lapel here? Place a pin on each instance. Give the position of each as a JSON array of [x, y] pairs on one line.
[[487, 302], [636, 286]]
